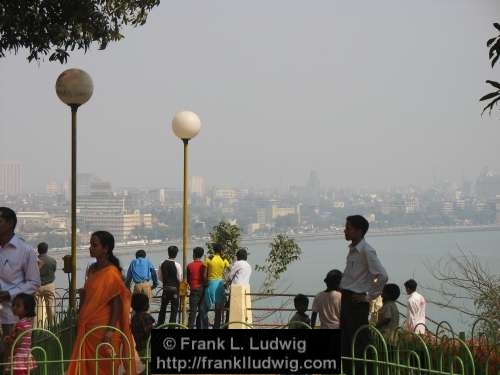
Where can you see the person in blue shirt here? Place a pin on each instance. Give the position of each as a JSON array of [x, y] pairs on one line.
[[142, 272]]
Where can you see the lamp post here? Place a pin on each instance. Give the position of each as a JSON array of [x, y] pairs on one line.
[[74, 87], [185, 125]]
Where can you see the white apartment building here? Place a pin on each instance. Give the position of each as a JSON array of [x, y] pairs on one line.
[[104, 211]]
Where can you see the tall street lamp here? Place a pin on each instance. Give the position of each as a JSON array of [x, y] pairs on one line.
[[185, 126], [74, 87]]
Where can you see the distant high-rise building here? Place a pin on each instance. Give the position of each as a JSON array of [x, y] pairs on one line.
[[277, 211], [447, 208], [411, 204], [488, 185], [312, 192], [83, 182], [98, 186], [157, 196], [262, 216], [198, 186], [52, 187], [227, 194], [103, 210], [10, 177], [466, 188], [66, 189]]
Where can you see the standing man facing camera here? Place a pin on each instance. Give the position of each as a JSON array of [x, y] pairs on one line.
[[363, 280], [18, 268]]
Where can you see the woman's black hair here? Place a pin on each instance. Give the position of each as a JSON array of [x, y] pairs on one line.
[[28, 302], [140, 302], [108, 241]]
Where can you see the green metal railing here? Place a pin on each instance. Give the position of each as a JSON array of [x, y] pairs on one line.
[[403, 353], [441, 351]]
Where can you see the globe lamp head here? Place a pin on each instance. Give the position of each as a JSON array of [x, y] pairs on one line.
[[74, 87], [186, 125]]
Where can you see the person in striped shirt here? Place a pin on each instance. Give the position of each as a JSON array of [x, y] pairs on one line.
[[22, 361]]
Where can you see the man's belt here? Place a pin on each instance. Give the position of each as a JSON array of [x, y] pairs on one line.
[[348, 292]]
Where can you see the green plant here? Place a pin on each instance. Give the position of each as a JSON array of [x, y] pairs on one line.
[[283, 251], [494, 54], [56, 27], [228, 236]]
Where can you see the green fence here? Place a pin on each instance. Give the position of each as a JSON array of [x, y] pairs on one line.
[[440, 352]]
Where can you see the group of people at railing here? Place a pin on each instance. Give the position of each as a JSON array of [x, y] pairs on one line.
[[360, 295], [106, 327], [106, 300], [206, 282]]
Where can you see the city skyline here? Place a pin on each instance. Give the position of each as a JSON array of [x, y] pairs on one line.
[[155, 215], [54, 186], [198, 184], [361, 93]]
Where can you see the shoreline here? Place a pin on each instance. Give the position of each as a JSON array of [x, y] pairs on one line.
[[382, 233], [162, 246]]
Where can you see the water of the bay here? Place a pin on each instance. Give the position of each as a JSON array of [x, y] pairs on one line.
[[404, 257]]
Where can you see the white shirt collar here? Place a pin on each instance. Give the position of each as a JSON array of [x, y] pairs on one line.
[[359, 246], [15, 242]]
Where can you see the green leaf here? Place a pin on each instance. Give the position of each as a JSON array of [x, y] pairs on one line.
[[494, 84], [489, 96], [495, 59], [490, 106], [490, 41]]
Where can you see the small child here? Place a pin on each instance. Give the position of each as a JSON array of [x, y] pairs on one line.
[[23, 306], [388, 315], [326, 304], [141, 323], [301, 303]]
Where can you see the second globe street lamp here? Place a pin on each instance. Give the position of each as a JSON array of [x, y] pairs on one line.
[[185, 125], [74, 87]]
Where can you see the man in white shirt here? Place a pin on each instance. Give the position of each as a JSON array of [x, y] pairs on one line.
[[415, 321], [241, 269], [18, 268], [363, 280]]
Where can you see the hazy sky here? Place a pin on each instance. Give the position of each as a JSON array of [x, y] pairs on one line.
[[367, 93]]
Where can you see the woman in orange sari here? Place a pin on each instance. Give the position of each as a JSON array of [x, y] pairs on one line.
[[105, 302]]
